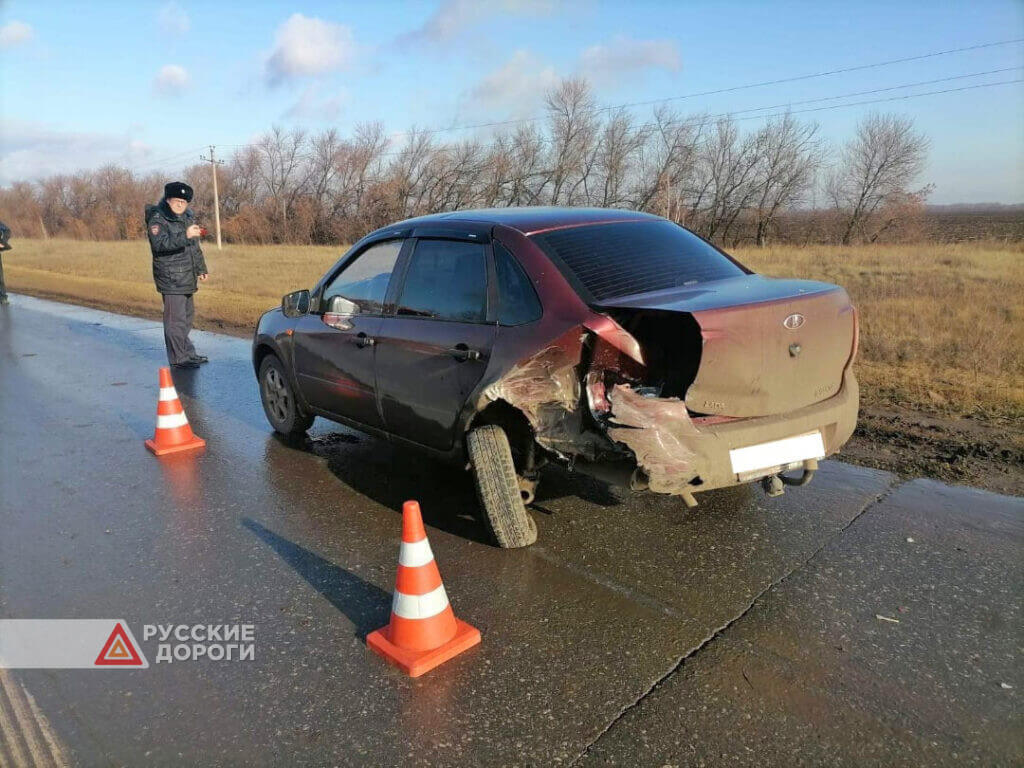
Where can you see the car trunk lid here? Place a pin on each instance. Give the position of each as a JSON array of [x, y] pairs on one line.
[[766, 346]]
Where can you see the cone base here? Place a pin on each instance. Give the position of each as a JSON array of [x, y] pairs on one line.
[[416, 663], [195, 444]]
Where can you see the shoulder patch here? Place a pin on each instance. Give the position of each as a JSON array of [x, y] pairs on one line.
[[155, 229]]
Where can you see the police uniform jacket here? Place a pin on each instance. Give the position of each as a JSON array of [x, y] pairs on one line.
[[177, 260]]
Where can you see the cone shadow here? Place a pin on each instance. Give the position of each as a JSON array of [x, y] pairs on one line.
[[366, 605]]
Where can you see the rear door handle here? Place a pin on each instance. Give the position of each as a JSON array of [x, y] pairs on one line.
[[462, 352], [362, 340]]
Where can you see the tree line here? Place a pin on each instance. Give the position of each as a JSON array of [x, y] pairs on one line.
[[778, 181]]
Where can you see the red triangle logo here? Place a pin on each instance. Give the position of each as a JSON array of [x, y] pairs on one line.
[[119, 651]]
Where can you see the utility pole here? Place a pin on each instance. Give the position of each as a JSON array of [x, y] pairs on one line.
[[214, 162]]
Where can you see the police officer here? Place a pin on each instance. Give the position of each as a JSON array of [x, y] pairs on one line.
[[5, 236], [177, 263]]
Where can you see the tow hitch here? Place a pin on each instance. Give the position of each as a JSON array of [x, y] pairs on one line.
[[773, 485]]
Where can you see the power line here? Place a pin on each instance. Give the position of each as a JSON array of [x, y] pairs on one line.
[[876, 90], [168, 159], [891, 98], [774, 106], [731, 113], [704, 118], [730, 89], [701, 118]]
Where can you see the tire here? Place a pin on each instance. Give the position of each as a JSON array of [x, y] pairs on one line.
[[279, 402], [498, 489]]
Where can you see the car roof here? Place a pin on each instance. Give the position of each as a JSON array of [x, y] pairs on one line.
[[533, 219]]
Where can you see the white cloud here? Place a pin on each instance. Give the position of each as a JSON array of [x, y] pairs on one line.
[[454, 16], [30, 150], [311, 105], [15, 33], [516, 88], [172, 18], [306, 46], [170, 80], [610, 62]]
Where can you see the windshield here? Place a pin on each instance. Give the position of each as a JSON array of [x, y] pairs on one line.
[[619, 259]]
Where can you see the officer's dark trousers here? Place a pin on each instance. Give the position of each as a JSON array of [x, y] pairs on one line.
[[179, 311]]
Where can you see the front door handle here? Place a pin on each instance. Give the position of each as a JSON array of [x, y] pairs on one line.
[[462, 352], [362, 340]]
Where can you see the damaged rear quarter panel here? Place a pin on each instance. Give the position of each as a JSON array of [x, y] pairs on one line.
[[534, 367], [537, 369]]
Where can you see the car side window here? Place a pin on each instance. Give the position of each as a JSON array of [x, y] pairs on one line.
[[363, 283], [517, 300], [446, 280]]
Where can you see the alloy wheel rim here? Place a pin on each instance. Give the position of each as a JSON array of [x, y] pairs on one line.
[[277, 396]]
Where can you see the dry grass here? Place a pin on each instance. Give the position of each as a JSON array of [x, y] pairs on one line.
[[942, 326], [245, 281]]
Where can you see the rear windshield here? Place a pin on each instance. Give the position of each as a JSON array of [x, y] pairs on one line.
[[623, 258]]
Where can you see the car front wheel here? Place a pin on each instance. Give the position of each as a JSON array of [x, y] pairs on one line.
[[279, 402], [498, 489]]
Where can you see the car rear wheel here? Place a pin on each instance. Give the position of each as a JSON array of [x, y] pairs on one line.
[[498, 488], [279, 402]]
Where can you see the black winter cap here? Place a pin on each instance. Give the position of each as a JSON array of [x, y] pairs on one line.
[[178, 189]]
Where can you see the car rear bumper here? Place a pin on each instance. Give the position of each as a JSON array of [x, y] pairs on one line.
[[834, 418]]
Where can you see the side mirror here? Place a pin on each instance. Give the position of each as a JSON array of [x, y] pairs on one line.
[[295, 304]]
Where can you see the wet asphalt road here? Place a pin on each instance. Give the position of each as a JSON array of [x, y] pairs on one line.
[[635, 632]]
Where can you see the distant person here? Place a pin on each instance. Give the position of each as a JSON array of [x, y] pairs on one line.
[[5, 245], [177, 264]]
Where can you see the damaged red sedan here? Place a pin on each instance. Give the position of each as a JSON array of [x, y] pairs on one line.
[[617, 343]]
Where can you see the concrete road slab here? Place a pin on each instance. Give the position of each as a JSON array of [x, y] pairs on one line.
[[898, 644]]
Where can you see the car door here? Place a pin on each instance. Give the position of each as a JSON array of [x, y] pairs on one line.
[[334, 346], [434, 348]]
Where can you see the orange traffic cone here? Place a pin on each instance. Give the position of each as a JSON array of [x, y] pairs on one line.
[[173, 434], [423, 631]]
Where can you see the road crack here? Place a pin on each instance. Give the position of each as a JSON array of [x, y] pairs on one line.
[[717, 633]]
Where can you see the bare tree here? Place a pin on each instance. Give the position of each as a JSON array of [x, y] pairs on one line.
[[877, 166], [728, 162], [573, 125], [789, 154], [616, 154], [282, 167], [724, 183], [666, 175]]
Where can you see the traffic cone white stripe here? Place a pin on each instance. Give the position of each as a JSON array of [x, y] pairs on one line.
[[419, 606], [168, 393], [415, 553], [171, 421]]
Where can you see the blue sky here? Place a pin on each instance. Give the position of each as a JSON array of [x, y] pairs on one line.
[[148, 83]]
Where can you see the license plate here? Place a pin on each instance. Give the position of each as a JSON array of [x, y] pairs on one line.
[[777, 453]]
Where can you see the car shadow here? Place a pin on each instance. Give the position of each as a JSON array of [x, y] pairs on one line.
[[390, 475], [366, 605]]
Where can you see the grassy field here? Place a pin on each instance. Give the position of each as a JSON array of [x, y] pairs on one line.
[[942, 326]]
